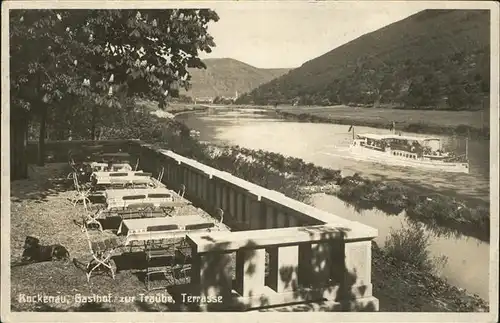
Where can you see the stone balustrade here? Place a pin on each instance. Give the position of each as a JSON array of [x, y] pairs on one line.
[[322, 263]]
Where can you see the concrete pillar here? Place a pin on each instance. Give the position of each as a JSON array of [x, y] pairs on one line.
[[175, 175], [269, 217], [237, 207], [190, 186], [203, 188], [281, 221], [250, 271], [199, 186], [254, 213], [283, 268], [196, 184], [224, 198], [170, 174], [357, 274], [179, 175], [231, 204], [212, 201], [244, 208], [218, 195], [292, 221], [212, 273]]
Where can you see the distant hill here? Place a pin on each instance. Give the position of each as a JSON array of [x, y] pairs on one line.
[[225, 76], [436, 59]]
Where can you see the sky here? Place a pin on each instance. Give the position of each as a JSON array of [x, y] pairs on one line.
[[286, 36]]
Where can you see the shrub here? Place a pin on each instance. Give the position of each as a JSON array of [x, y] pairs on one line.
[[410, 245]]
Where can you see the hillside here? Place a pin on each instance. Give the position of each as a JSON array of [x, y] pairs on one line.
[[436, 59], [225, 76]]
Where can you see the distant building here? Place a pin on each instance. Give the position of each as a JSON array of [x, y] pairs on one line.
[[204, 100]]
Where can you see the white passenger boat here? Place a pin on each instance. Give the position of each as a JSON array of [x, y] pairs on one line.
[[407, 151]]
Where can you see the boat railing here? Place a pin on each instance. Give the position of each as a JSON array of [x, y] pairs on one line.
[[456, 159], [372, 146], [404, 153]]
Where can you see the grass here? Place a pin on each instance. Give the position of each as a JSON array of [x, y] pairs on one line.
[[418, 121]]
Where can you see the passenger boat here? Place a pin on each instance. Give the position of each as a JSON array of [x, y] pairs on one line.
[[408, 151]]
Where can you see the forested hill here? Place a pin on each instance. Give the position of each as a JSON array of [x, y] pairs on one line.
[[436, 59], [224, 76]]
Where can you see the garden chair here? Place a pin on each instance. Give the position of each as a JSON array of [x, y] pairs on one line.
[[101, 251], [117, 185], [160, 259], [132, 211], [182, 190], [171, 209], [139, 185], [139, 210], [90, 217], [184, 252], [73, 172], [71, 163], [167, 209], [219, 213], [81, 193], [160, 175]]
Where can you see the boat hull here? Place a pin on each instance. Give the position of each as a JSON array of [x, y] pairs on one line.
[[386, 158]]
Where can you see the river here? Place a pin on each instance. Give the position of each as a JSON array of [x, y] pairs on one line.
[[323, 145]]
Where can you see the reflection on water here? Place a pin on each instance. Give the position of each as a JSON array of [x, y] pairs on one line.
[[325, 144], [468, 258]]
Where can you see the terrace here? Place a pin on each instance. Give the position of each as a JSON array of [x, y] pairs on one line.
[[270, 251]]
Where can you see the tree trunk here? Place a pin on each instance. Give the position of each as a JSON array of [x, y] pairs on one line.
[[43, 131], [93, 129], [18, 146]]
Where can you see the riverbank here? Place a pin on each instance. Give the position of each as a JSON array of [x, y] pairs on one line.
[[172, 110], [290, 176], [404, 288], [457, 123]]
